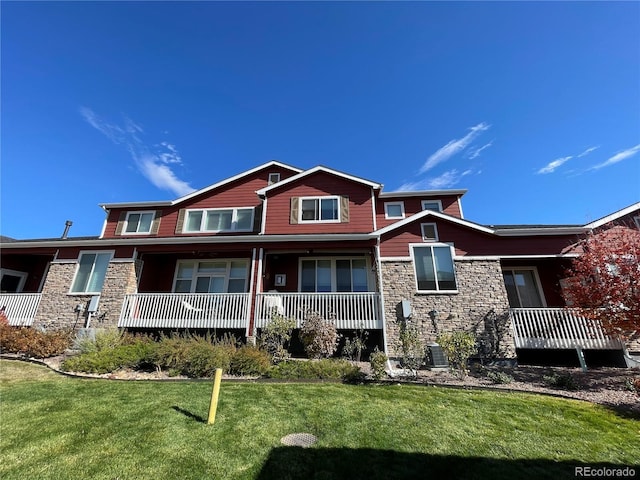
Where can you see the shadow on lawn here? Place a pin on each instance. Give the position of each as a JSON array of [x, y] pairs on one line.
[[343, 463], [187, 413]]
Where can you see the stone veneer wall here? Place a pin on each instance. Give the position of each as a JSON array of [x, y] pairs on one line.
[[57, 306], [480, 306]]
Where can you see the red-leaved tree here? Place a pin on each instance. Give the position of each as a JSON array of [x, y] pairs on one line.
[[604, 281]]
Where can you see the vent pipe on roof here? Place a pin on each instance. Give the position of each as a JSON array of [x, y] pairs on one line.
[[67, 226]]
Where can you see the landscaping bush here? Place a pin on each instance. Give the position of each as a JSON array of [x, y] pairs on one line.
[[412, 348], [249, 360], [32, 342], [353, 348], [105, 338], [458, 346], [202, 358], [194, 356], [499, 378], [562, 381], [319, 336], [378, 361], [276, 335], [137, 355], [324, 369]]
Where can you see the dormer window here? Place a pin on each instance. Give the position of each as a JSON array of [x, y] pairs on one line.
[[393, 210], [139, 222], [274, 178], [435, 205]]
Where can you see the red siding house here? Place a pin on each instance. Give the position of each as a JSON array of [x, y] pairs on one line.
[[279, 239]]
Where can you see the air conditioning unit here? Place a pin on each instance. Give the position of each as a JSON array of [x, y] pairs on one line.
[[437, 357]]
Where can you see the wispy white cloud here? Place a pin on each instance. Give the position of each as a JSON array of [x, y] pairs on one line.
[[446, 180], [154, 164], [587, 151], [552, 166], [618, 157], [453, 147], [558, 162], [475, 153]]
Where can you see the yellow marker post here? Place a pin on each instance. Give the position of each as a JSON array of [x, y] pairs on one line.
[[213, 406]]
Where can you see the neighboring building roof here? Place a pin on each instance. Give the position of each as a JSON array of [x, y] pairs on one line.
[[423, 193], [169, 203], [319, 168], [4, 239], [614, 216]]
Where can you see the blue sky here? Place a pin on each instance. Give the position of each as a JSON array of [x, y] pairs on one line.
[[532, 107]]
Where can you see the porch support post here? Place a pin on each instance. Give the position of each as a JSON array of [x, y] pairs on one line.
[[251, 299], [583, 363]]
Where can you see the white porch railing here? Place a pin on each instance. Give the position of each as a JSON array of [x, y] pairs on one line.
[[347, 310], [185, 310], [558, 328], [20, 308]]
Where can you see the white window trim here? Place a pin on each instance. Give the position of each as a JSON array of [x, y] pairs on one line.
[[89, 252], [415, 273], [439, 202], [234, 219], [319, 198], [390, 204], [334, 279], [536, 278], [276, 175], [126, 222], [15, 273], [228, 261], [435, 229]]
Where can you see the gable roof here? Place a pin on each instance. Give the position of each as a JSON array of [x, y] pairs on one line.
[[431, 213], [614, 216], [169, 203], [319, 168], [502, 231]]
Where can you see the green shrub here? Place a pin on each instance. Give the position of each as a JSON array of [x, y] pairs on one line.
[[105, 338], [324, 369], [135, 356], [32, 342], [562, 381], [499, 377], [353, 348], [202, 358], [319, 336], [250, 360], [378, 361], [276, 335], [458, 346]]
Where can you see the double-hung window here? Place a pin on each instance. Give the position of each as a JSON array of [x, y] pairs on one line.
[[216, 276], [219, 220], [139, 222], [333, 275], [91, 271], [434, 268], [320, 209]]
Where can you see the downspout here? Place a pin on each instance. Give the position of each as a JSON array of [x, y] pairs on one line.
[[385, 346]]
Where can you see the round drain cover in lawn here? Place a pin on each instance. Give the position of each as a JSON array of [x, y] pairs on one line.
[[303, 440]]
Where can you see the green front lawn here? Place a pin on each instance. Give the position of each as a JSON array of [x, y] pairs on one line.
[[53, 427]]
